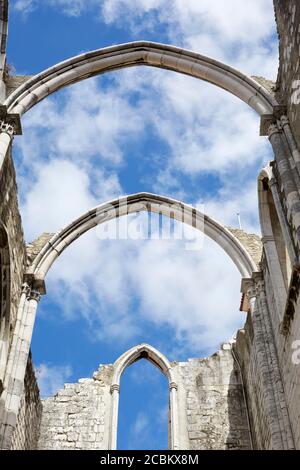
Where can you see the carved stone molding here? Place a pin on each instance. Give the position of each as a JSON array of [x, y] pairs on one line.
[[10, 123], [114, 387]]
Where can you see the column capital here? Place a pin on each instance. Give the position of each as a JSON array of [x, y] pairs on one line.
[[273, 129], [30, 292], [114, 388], [173, 385], [253, 286], [25, 289], [284, 120], [34, 295], [7, 128], [10, 123]]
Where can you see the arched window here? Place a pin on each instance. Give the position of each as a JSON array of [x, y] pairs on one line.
[[278, 245], [4, 301], [144, 411], [144, 351]]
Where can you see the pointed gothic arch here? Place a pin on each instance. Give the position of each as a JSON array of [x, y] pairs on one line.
[[147, 53], [36, 273], [144, 351], [139, 202]]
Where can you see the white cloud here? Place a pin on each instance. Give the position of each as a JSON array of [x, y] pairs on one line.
[[201, 129], [52, 378], [141, 425], [69, 7], [99, 280], [228, 30], [88, 123], [232, 200], [62, 193], [119, 286]]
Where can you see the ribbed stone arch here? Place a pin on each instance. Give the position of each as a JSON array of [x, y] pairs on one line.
[[144, 351], [38, 270], [34, 284], [131, 54]]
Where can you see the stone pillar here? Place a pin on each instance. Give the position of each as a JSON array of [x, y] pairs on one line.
[[291, 142], [268, 365], [283, 222], [279, 393], [6, 136], [276, 274], [290, 188], [174, 416], [16, 365], [115, 392]]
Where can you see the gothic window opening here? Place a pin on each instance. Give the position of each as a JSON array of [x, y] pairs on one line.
[[144, 413]]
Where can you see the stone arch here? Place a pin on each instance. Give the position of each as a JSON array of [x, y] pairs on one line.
[[144, 351], [277, 241], [39, 268], [147, 53], [4, 301], [35, 275]]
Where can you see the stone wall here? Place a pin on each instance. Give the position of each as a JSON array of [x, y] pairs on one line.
[[211, 404], [28, 425], [246, 352], [77, 417], [290, 370], [11, 219], [26, 433], [215, 403], [250, 241], [288, 82]]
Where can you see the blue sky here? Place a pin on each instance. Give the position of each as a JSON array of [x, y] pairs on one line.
[[129, 131]]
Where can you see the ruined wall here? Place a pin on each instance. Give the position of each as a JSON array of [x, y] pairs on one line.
[[285, 342], [246, 352], [215, 404], [10, 217], [77, 417], [28, 425], [288, 82], [211, 408], [26, 432]]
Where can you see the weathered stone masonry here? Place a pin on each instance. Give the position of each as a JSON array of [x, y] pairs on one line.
[[247, 395], [209, 391]]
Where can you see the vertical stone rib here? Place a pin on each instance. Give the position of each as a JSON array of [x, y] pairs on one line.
[[278, 389], [266, 374], [290, 188]]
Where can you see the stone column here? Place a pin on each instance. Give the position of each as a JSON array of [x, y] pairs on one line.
[[6, 137], [283, 222], [291, 142], [17, 363], [276, 274], [279, 393], [174, 416], [115, 392], [290, 188], [268, 366]]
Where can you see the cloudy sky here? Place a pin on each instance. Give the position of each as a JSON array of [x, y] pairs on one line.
[[139, 129]]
